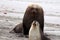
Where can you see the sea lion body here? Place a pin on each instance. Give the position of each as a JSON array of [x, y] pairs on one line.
[[34, 32], [33, 12]]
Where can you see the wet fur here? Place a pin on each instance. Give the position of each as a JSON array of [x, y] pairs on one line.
[[18, 28], [33, 12]]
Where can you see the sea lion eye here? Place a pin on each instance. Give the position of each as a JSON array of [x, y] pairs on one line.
[[36, 9]]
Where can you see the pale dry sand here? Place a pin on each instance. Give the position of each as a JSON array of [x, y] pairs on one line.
[[8, 23]]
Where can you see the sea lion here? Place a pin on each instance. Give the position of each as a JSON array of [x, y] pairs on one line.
[[35, 33], [33, 12]]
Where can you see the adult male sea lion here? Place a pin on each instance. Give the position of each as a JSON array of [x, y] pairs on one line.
[[33, 12]]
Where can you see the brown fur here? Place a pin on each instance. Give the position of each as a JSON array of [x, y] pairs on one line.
[[33, 12], [18, 28]]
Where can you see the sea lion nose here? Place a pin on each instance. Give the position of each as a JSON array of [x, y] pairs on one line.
[[33, 11], [34, 23]]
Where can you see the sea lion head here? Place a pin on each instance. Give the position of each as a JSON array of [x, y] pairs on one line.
[[35, 23]]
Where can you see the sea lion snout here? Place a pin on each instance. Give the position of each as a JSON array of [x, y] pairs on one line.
[[34, 23]]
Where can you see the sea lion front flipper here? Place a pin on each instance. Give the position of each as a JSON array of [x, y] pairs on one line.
[[18, 28]]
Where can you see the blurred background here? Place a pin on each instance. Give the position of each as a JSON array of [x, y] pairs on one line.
[[12, 12]]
